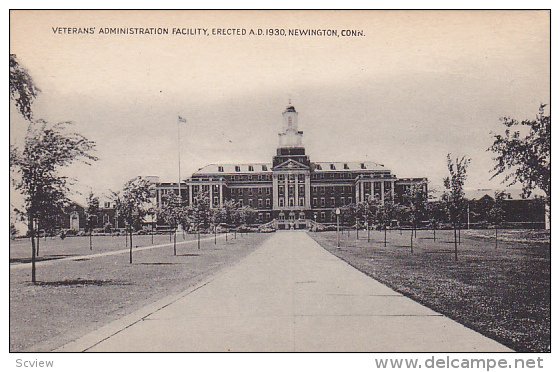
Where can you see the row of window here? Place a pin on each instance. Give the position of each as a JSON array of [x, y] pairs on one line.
[[332, 189], [250, 191], [333, 166], [291, 202], [322, 202], [250, 203], [251, 177], [291, 190], [291, 177]]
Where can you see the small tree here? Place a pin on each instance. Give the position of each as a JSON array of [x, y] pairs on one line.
[[436, 214], [132, 204], [454, 195], [92, 212], [172, 212], [47, 149], [366, 212], [229, 214], [386, 213], [496, 214], [200, 213]]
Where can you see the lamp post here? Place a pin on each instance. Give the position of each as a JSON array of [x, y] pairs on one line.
[[337, 227]]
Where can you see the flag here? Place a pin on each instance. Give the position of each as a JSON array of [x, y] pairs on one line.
[[181, 119]]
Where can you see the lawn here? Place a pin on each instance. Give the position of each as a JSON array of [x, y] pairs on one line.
[[74, 297], [502, 293]]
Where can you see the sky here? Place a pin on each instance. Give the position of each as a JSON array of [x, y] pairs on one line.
[[416, 86]]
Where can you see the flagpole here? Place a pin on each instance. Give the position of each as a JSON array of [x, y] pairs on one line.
[[179, 154]]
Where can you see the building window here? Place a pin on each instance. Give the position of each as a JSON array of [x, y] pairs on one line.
[[342, 201], [281, 202], [281, 216], [259, 203], [291, 176], [363, 166], [291, 202], [251, 168], [281, 190], [349, 200], [346, 166], [301, 202], [268, 202], [107, 204], [323, 216], [220, 169], [301, 216], [260, 217], [332, 202], [291, 190], [216, 202], [267, 216], [314, 202], [268, 191], [280, 177], [322, 202], [301, 190], [318, 166], [240, 202], [301, 177], [250, 202], [250, 192], [264, 168], [237, 168], [333, 167]]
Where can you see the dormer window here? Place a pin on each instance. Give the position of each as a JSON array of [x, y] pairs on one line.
[[333, 167], [363, 166], [251, 168], [319, 167], [220, 169], [264, 168], [346, 166], [237, 168]]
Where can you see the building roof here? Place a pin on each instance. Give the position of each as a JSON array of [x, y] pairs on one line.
[[514, 194], [231, 168], [325, 166], [349, 166]]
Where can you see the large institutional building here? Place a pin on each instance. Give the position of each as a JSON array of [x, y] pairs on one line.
[[292, 191]]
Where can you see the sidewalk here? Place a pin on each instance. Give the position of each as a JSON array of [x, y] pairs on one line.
[[289, 295]]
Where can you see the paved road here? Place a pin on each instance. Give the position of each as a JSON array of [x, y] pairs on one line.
[[288, 295]]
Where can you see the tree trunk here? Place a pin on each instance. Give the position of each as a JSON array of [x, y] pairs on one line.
[[459, 233], [357, 231], [152, 233], [198, 237], [175, 243], [367, 227], [32, 233], [226, 236], [414, 228], [235, 233], [215, 234], [385, 242], [130, 251], [434, 233], [90, 243], [38, 240], [455, 235], [496, 236], [411, 236]]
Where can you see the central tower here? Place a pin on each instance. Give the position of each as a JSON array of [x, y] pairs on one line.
[[290, 139]]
